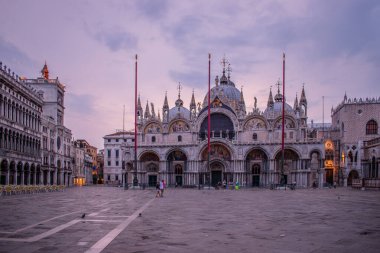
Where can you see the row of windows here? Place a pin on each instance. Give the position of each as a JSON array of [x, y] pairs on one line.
[[116, 163], [18, 142], [371, 128], [19, 96], [179, 138], [125, 140], [14, 112], [254, 137], [109, 177], [109, 151]]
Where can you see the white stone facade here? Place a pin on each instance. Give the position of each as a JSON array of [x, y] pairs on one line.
[[117, 149], [245, 146], [355, 130], [20, 136], [56, 156]]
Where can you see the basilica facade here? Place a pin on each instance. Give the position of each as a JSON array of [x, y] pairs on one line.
[[245, 146]]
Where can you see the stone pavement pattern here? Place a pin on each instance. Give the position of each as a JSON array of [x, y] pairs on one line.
[[328, 220]]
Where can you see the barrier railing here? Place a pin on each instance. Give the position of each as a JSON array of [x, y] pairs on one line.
[[29, 189]]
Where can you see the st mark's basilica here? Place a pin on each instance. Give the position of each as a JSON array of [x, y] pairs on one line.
[[245, 145]]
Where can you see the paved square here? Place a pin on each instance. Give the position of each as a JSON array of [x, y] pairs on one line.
[[328, 220]]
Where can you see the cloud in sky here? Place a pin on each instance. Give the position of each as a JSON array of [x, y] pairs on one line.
[[117, 39], [17, 60], [331, 46]]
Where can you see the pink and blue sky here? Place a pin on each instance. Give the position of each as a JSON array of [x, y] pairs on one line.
[[331, 46]]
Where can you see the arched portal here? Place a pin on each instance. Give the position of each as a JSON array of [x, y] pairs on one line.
[[256, 164], [150, 164], [3, 172], [216, 169], [38, 175], [176, 165], [33, 174], [290, 163], [315, 166], [19, 173], [26, 173], [256, 169], [352, 175], [219, 169], [12, 172]]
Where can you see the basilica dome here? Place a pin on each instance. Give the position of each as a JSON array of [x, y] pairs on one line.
[[179, 111], [274, 109], [226, 92]]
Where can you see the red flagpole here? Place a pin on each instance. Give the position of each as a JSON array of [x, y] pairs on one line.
[[135, 180], [209, 118], [283, 119]]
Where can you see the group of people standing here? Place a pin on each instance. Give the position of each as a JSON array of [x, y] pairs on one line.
[[160, 186], [227, 185]]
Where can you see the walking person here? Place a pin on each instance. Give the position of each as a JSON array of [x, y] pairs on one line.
[[158, 191], [162, 186]]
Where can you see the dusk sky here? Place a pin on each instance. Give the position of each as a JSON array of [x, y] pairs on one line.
[[331, 46]]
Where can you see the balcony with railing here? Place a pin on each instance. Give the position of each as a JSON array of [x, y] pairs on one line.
[[373, 142]]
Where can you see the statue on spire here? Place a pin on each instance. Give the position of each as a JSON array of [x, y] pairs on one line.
[[179, 88], [278, 97], [229, 70], [224, 62], [179, 102], [223, 79]]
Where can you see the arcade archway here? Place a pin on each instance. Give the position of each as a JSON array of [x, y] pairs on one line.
[[256, 165], [150, 165], [218, 170], [176, 164], [290, 165], [3, 172], [352, 175]]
